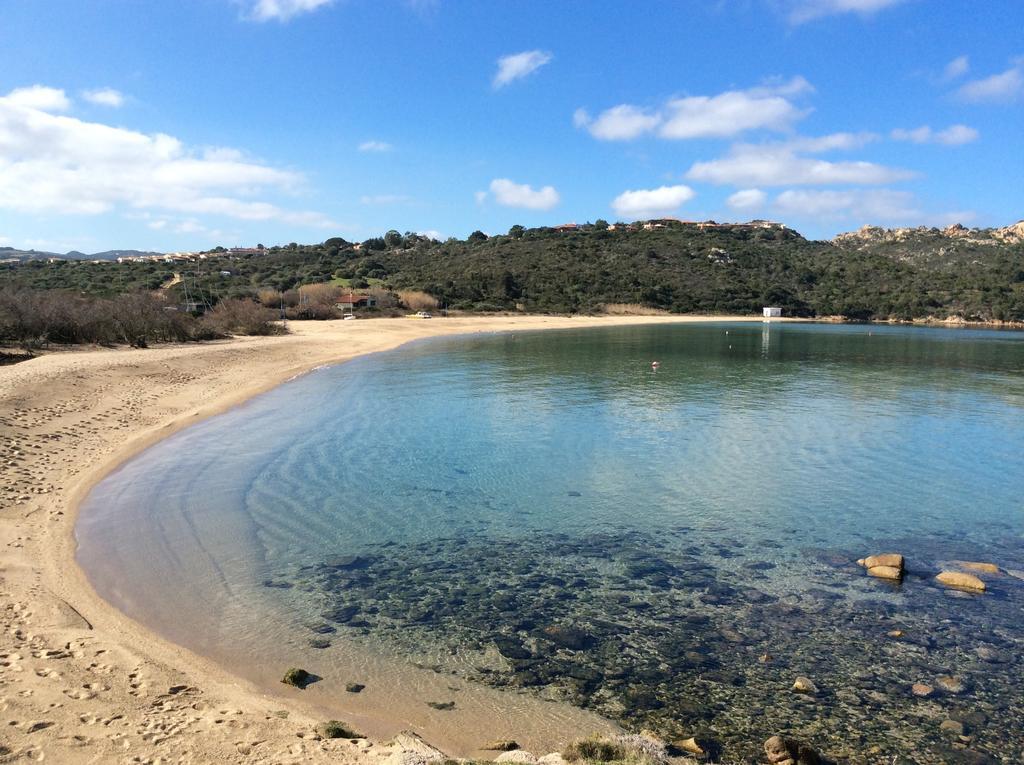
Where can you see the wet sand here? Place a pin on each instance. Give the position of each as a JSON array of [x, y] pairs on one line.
[[80, 681]]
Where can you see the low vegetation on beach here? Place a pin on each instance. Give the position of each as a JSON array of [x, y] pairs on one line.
[[33, 319]]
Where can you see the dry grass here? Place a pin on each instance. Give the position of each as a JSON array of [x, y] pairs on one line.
[[632, 309], [415, 300]]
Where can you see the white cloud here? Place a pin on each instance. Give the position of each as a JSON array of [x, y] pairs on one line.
[[104, 97], [728, 114], [957, 135], [831, 142], [432, 233], [747, 199], [39, 97], [282, 10], [512, 194], [480, 197], [157, 225], [651, 203], [766, 107], [778, 165], [954, 135], [865, 204], [620, 123], [1003, 87], [958, 67], [519, 65], [375, 146], [55, 163], [808, 10]]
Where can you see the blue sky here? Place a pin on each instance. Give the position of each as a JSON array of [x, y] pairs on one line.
[[183, 125]]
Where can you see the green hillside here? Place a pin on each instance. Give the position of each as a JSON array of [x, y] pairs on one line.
[[871, 274]]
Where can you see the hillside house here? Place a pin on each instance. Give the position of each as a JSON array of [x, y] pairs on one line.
[[567, 227], [352, 301]]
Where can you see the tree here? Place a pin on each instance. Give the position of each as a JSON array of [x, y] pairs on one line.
[[516, 232], [392, 239], [601, 224], [477, 236]]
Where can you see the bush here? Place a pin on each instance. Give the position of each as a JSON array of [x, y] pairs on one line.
[[33, 318], [336, 729], [593, 750], [627, 748], [241, 317]]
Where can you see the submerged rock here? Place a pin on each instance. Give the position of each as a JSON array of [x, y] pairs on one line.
[[804, 685], [951, 684], [984, 568], [788, 751], [354, 687], [953, 728], [961, 581], [572, 638], [922, 690]]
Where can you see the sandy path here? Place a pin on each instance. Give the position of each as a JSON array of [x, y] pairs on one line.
[[79, 681]]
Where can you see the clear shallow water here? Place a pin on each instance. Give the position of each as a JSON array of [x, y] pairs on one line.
[[543, 512]]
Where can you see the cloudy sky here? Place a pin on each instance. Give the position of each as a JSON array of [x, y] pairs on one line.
[[183, 125]]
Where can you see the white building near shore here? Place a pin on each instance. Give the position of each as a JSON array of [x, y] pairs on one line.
[[771, 312]]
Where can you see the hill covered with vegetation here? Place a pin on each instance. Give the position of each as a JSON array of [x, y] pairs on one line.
[[898, 274]]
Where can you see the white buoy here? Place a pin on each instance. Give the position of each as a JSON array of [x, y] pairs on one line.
[[655, 364]]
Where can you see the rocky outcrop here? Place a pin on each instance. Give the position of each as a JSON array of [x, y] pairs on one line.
[[410, 749], [873, 235], [1012, 234]]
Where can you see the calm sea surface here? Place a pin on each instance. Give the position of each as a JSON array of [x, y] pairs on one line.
[[547, 514]]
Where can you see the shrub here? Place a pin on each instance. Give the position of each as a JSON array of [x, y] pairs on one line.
[[627, 748], [594, 750], [336, 729], [241, 317], [32, 318]]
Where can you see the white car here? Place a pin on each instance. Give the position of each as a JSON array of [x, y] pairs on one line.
[[423, 315]]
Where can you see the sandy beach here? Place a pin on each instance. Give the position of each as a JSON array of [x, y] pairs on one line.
[[79, 681]]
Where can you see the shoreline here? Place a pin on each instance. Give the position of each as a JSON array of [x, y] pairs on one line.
[[49, 604]]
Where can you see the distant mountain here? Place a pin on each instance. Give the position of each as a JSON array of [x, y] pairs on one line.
[[13, 252]]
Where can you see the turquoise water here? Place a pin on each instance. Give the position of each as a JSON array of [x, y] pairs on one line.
[[549, 514]]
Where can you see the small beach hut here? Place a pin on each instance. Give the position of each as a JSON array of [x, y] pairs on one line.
[[771, 312]]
